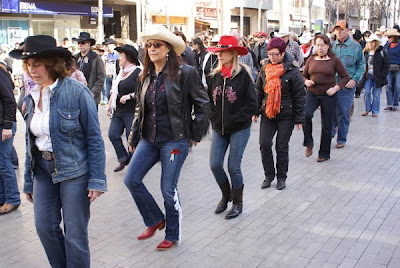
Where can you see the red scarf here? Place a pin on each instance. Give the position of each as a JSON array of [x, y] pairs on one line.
[[273, 73], [226, 72]]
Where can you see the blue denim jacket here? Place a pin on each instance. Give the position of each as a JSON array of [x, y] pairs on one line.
[[78, 146]]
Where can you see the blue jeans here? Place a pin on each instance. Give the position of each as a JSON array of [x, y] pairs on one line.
[[370, 87], [70, 249], [14, 157], [392, 89], [9, 192], [237, 142], [119, 123], [146, 155], [328, 106], [106, 88], [344, 102]]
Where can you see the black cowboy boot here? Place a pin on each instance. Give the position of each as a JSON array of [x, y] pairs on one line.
[[281, 184], [226, 197], [237, 204]]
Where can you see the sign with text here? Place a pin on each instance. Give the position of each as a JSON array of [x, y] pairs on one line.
[[206, 13], [10, 6]]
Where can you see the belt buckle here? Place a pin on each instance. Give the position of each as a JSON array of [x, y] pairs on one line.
[[47, 155]]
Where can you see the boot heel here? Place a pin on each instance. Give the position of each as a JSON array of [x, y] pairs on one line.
[[161, 226]]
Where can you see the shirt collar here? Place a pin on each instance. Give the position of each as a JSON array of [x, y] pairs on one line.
[[36, 90]]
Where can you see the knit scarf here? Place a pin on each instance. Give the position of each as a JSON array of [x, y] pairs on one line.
[[114, 89], [272, 88]]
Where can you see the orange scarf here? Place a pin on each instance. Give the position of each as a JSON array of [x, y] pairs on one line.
[[273, 73]]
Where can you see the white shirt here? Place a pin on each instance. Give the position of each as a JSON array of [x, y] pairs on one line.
[[40, 121]]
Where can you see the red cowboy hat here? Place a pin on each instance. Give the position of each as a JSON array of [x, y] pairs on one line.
[[228, 42], [262, 34]]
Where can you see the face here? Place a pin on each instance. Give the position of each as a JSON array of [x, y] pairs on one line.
[[322, 48], [372, 45], [240, 43], [225, 57], [390, 39], [84, 47], [285, 38], [38, 72], [261, 39], [157, 50], [275, 56], [195, 46], [122, 59], [341, 34]]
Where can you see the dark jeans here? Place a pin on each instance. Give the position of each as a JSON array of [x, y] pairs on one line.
[[328, 107], [71, 248], [146, 155], [9, 192], [283, 130], [237, 143], [14, 157], [119, 123]]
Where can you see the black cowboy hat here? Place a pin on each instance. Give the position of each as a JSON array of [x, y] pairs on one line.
[[83, 37], [131, 51], [40, 45], [109, 41]]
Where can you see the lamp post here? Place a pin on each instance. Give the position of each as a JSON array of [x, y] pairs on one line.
[[337, 10], [100, 27]]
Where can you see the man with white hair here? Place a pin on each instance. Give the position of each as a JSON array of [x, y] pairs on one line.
[[292, 47], [384, 38]]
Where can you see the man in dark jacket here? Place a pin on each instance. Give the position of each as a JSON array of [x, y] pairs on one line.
[[90, 64], [187, 55]]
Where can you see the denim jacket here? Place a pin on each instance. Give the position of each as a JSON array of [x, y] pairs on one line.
[[76, 139]]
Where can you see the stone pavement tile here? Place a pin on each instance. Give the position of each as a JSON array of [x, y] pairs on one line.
[[385, 254], [338, 255], [394, 263], [366, 260], [348, 263], [331, 245], [357, 250], [311, 250], [319, 259], [330, 265]]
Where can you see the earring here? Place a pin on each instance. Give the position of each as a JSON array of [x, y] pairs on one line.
[[167, 56]]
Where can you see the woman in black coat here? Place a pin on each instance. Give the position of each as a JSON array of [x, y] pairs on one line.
[[281, 99], [375, 76]]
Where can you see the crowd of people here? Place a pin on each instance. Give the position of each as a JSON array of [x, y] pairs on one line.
[[163, 94]]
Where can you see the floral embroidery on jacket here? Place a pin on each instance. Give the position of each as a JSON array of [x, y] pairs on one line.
[[230, 94], [217, 91]]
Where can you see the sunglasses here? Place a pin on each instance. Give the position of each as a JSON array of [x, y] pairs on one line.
[[156, 45], [82, 43]]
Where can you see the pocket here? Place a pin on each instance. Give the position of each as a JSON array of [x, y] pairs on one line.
[[286, 109], [69, 121], [349, 60]]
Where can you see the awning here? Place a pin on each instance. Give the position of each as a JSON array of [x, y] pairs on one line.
[[213, 24]]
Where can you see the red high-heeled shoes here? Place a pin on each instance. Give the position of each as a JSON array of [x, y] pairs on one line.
[[151, 230]]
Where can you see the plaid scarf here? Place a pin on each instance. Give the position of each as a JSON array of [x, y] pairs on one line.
[[273, 73]]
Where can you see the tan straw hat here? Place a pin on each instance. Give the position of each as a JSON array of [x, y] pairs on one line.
[[159, 32], [392, 32], [373, 37]]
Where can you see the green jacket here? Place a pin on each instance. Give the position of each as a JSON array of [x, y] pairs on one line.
[[351, 55]]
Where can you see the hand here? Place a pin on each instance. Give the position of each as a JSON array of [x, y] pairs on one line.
[[23, 108], [298, 126], [309, 83], [263, 61], [131, 149], [109, 110], [124, 98], [255, 117], [6, 134], [29, 197], [192, 143], [93, 194], [331, 91], [351, 84]]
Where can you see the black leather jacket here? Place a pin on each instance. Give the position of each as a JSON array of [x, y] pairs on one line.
[[292, 92], [7, 101], [184, 97]]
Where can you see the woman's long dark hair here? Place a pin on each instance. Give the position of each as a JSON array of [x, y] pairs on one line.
[[326, 40], [173, 63], [199, 42]]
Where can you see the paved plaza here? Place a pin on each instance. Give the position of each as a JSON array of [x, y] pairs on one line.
[[341, 213]]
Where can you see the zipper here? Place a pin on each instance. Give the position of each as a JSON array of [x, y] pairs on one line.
[[223, 101]]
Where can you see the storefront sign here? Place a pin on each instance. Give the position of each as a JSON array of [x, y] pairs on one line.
[[49, 8], [206, 13], [172, 20], [10, 6]]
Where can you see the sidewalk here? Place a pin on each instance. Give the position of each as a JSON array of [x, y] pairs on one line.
[[341, 213]]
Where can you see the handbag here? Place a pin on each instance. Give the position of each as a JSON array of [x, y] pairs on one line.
[[394, 68]]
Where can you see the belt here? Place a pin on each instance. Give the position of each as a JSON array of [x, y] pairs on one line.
[[49, 156], [109, 75]]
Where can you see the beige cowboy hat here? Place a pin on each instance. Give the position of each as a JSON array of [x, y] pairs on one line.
[[159, 32], [373, 37], [392, 32], [305, 38]]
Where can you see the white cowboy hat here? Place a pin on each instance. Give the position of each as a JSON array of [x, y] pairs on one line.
[[281, 34], [392, 32], [373, 37], [305, 38], [382, 29], [159, 32], [215, 39]]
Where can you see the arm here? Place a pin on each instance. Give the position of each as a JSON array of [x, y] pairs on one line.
[[385, 64], [343, 74], [260, 90], [299, 99], [100, 76], [299, 55], [249, 107], [134, 133], [201, 104], [360, 70], [8, 100], [95, 144]]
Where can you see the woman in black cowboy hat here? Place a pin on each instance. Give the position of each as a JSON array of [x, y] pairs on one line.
[[122, 104], [65, 159]]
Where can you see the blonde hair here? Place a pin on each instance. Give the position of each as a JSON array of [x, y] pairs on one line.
[[236, 66], [367, 48]]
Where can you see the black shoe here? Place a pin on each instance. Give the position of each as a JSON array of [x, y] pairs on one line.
[[281, 185], [121, 166], [356, 96], [237, 206], [388, 108], [394, 109], [266, 184], [226, 197]]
